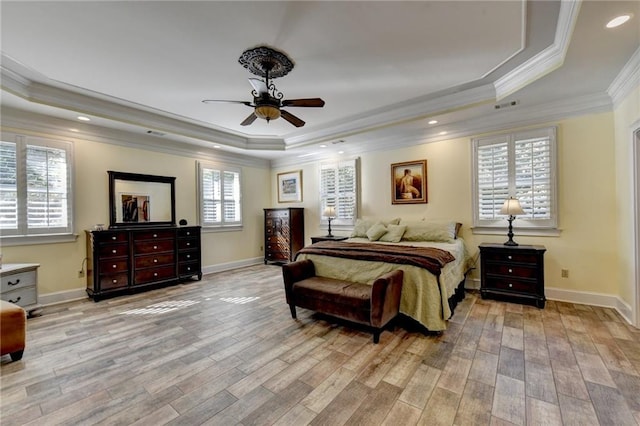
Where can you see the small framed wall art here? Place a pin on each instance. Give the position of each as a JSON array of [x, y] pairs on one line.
[[290, 187], [409, 182]]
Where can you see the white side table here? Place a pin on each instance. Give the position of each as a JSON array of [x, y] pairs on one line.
[[20, 285]]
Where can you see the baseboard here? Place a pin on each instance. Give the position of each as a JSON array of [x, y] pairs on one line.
[[221, 267], [580, 297], [81, 293]]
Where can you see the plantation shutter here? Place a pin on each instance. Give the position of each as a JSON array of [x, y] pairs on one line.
[[46, 187], [338, 189], [520, 165], [220, 196], [8, 187]]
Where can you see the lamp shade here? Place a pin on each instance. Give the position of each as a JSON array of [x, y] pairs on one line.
[[511, 207], [267, 112], [330, 212]]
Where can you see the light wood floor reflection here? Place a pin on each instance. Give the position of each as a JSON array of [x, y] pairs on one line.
[[225, 351]]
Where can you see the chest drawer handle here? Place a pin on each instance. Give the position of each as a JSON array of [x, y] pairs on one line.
[[509, 257], [114, 251], [188, 256], [188, 244], [113, 238], [155, 260], [114, 266], [155, 274], [155, 247], [510, 270], [14, 283], [510, 285], [155, 235], [16, 300], [188, 233], [188, 268], [115, 281]]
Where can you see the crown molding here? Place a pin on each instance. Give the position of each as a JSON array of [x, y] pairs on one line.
[[546, 61], [19, 121], [626, 80]]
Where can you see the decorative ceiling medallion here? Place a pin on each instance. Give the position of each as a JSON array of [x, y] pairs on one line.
[[262, 59]]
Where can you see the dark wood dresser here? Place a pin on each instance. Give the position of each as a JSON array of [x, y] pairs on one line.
[[120, 260], [513, 271], [283, 234]]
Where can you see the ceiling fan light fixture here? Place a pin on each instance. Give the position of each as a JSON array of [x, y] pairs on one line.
[[267, 112]]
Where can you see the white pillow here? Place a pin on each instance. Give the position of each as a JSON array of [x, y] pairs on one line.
[[430, 231], [376, 231], [394, 233]]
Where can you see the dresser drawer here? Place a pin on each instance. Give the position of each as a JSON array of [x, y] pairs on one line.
[[189, 256], [23, 296], [110, 237], [276, 214], [146, 247], [154, 260], [152, 235], [113, 266], [277, 255], [155, 274], [188, 268], [188, 232], [19, 280], [106, 251], [188, 243], [113, 281]]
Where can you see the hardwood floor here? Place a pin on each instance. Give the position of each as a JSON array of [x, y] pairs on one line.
[[226, 351]]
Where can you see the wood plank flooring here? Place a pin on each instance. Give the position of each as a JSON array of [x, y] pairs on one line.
[[225, 351]]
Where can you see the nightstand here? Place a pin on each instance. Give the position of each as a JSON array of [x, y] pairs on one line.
[[325, 238], [20, 285], [513, 271]]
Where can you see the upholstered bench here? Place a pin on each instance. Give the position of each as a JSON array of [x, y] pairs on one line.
[[373, 305], [13, 329]]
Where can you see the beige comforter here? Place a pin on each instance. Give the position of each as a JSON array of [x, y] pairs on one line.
[[424, 296]]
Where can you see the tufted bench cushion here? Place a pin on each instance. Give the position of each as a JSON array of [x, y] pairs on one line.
[[13, 329], [371, 304]]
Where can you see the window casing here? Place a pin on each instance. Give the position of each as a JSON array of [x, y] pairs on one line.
[[36, 197], [339, 189], [521, 165], [220, 196]]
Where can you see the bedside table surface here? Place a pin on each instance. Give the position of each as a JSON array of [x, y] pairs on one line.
[[325, 238]]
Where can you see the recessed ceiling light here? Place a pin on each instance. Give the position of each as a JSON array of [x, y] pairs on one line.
[[83, 118], [442, 133], [74, 130], [340, 152], [323, 146], [433, 122], [216, 146], [618, 20]]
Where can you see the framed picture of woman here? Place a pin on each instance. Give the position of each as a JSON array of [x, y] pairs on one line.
[[409, 182]]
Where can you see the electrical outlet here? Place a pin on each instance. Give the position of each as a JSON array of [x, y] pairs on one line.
[[80, 274], [261, 248], [565, 273]]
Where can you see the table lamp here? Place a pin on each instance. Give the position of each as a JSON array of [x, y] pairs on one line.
[[330, 213], [512, 208]]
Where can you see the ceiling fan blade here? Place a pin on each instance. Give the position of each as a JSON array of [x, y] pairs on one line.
[[291, 118], [215, 101], [258, 85], [250, 119], [309, 102]]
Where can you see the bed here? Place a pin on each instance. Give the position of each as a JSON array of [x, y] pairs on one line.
[[427, 298]]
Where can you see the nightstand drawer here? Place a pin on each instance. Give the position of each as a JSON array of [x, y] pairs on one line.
[[521, 286], [511, 270], [24, 296], [19, 280], [509, 256]]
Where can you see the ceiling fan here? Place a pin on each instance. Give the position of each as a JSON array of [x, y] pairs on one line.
[[267, 100]]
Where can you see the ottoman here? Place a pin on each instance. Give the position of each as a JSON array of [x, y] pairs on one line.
[[13, 329]]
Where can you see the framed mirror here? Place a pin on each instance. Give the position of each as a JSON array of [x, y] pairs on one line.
[[137, 200]]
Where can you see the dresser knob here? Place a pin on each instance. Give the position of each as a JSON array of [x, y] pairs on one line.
[[155, 247], [509, 257], [188, 268], [188, 256], [115, 281], [510, 285], [155, 235], [113, 238], [114, 251], [155, 274], [155, 260], [114, 266], [510, 270], [188, 244], [188, 233]]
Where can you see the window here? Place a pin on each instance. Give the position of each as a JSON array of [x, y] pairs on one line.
[[520, 165], [219, 192], [339, 189], [35, 186]]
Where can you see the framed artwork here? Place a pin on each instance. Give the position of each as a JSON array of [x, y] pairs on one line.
[[290, 187], [409, 182]]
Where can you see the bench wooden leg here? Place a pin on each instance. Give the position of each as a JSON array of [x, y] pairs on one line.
[[376, 336], [17, 355], [293, 311]]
